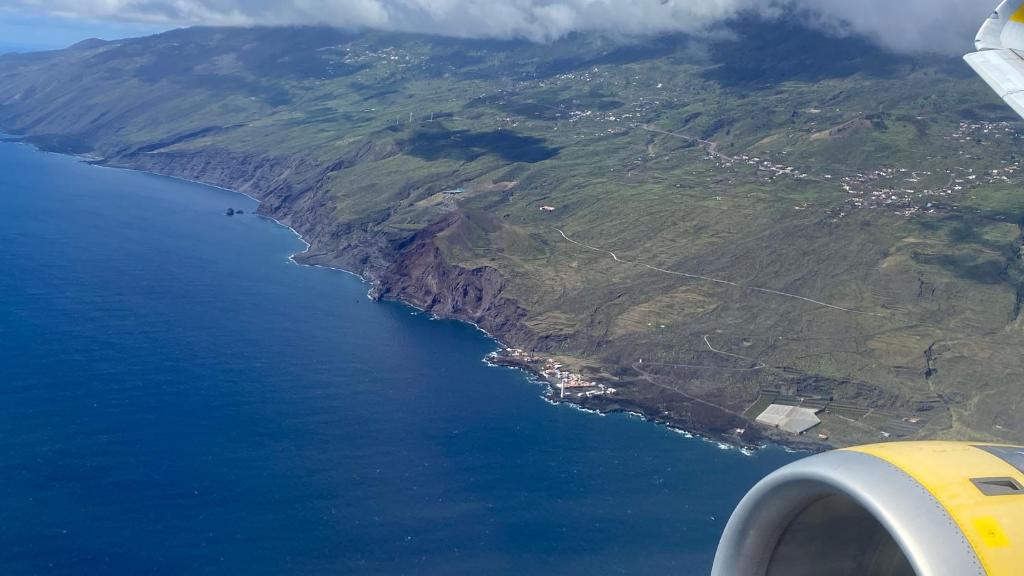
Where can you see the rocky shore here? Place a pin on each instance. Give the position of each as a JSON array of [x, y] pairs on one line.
[[646, 224], [412, 269], [629, 396]]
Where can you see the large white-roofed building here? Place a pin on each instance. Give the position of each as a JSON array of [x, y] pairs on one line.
[[792, 419]]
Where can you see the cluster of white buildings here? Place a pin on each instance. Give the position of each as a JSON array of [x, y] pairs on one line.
[[389, 55], [968, 131], [574, 384], [901, 189], [778, 170], [565, 381], [521, 355]]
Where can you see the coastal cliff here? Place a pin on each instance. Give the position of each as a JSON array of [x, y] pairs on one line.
[[405, 267], [412, 269], [702, 232]]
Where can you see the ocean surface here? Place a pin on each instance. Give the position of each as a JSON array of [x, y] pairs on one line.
[[177, 397]]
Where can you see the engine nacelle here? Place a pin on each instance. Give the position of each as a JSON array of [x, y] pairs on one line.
[[902, 509]]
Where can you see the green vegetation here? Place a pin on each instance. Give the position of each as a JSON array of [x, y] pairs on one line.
[[849, 218]]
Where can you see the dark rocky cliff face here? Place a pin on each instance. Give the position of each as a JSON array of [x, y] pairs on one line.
[[420, 276], [409, 268]]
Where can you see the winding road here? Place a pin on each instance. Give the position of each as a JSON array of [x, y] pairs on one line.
[[758, 365], [718, 280]]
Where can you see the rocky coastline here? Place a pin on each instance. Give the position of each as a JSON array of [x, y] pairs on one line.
[[412, 269]]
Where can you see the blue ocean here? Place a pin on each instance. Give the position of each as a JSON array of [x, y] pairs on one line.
[[178, 398]]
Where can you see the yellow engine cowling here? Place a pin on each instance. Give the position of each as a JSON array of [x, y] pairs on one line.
[[902, 509]]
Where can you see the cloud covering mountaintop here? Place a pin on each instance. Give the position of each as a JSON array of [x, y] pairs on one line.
[[905, 25]]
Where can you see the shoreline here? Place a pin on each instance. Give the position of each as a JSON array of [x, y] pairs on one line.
[[549, 395], [721, 441]]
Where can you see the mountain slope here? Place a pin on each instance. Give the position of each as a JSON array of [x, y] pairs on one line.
[[705, 226]]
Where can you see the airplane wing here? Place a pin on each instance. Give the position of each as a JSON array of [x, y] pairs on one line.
[[1000, 56]]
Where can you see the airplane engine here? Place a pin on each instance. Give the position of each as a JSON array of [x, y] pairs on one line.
[[901, 509]]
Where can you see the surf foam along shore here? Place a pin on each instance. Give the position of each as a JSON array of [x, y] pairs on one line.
[[543, 370], [706, 426]]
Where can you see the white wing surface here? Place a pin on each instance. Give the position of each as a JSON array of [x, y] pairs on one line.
[[1000, 56]]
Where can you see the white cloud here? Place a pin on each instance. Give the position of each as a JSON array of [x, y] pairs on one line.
[[912, 25], [908, 25]]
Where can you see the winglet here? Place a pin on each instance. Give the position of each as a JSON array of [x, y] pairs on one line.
[[1000, 56]]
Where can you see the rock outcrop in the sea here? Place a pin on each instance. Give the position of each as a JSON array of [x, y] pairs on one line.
[[410, 268]]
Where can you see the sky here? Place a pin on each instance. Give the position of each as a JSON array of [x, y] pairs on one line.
[[946, 26], [25, 31]]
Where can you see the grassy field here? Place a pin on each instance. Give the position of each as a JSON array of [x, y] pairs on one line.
[[780, 214]]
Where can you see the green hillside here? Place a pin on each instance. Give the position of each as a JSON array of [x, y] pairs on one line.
[[775, 215]]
